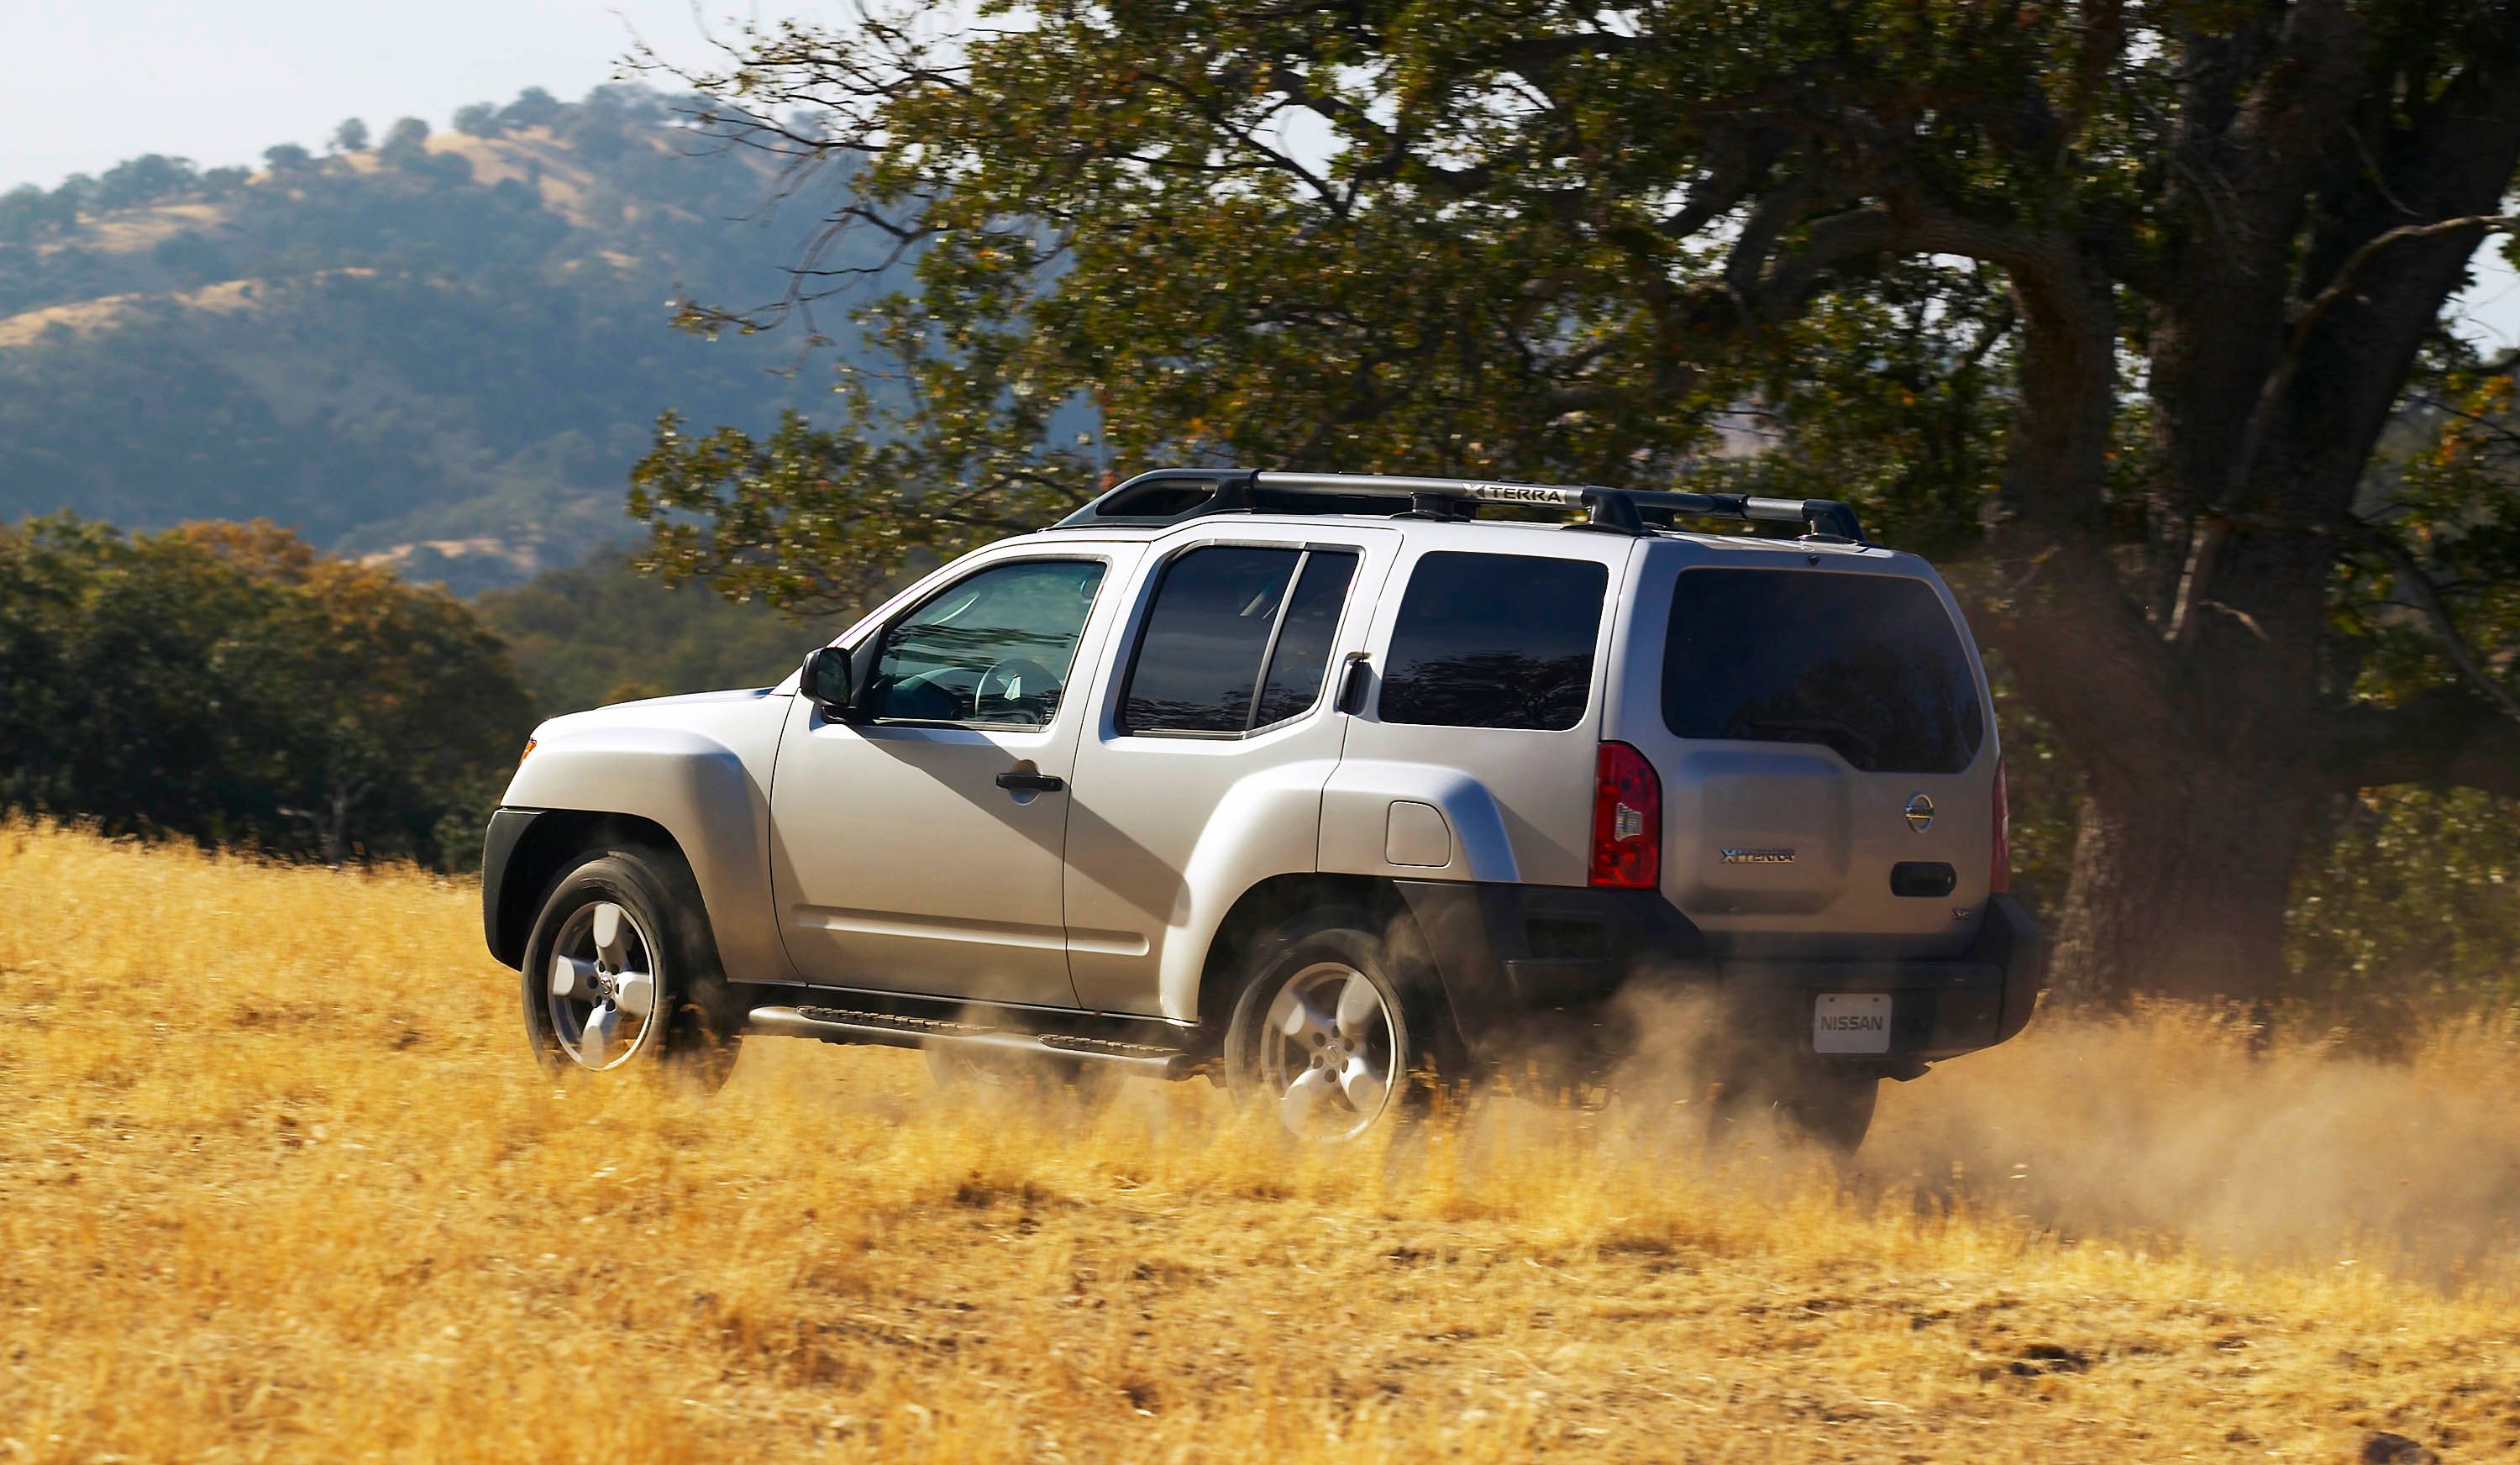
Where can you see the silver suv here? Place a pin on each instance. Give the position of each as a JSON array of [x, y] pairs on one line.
[[1319, 785]]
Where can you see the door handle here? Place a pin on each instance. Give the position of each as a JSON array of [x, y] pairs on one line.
[[1023, 783]]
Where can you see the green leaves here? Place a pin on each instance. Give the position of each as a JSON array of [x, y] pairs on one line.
[[602, 632], [225, 683], [1524, 239], [816, 521]]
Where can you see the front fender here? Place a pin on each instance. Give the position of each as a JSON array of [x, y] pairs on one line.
[[705, 787]]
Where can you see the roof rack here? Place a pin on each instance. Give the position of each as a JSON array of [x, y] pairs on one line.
[[1171, 496]]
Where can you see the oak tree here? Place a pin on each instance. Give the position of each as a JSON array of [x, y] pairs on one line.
[[2127, 293]]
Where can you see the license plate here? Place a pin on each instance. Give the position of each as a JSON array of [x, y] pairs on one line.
[[1851, 1022]]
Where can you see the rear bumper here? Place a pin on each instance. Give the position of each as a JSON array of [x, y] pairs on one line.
[[1517, 960]]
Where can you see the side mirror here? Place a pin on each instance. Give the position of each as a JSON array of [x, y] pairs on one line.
[[827, 680]]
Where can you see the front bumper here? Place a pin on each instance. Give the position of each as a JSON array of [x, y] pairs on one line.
[[1519, 959], [505, 915]]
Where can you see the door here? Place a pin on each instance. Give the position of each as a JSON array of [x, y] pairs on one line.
[[1203, 769], [916, 847]]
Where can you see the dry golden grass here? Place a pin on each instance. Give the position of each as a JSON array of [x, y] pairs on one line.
[[278, 1180]]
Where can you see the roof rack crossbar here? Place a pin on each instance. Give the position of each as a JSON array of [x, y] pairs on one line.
[[1168, 495]]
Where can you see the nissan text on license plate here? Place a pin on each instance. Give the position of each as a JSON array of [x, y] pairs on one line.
[[1851, 1022]]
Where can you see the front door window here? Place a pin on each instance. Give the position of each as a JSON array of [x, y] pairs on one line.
[[993, 649]]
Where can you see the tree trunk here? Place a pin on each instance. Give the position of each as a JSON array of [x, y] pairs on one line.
[[337, 828], [2179, 884]]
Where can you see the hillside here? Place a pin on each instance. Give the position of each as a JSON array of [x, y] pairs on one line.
[[342, 1219], [600, 632], [445, 349]]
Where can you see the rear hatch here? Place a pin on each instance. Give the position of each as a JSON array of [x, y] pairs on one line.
[[1827, 754]]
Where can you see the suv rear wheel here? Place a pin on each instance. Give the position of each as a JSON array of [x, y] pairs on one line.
[[622, 975], [1327, 1031]]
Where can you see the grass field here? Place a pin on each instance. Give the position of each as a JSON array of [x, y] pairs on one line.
[[278, 1180]]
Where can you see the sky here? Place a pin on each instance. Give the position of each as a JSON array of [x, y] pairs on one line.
[[89, 83]]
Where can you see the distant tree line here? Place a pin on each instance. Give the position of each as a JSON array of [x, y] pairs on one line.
[[29, 211], [227, 684], [593, 634]]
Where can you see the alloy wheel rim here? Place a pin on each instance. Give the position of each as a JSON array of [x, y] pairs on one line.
[[1330, 1052], [602, 989]]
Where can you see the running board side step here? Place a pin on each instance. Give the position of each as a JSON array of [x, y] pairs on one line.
[[892, 1029]]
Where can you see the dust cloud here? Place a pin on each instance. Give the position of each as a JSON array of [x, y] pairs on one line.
[[2170, 1125], [2164, 1124], [2164, 1127], [2160, 1129]]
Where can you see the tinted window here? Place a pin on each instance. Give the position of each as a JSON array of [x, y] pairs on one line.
[[992, 648], [1865, 664], [1303, 655], [1200, 655], [1218, 614], [1495, 640]]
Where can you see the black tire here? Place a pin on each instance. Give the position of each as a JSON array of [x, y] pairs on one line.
[[1399, 1047], [687, 1032]]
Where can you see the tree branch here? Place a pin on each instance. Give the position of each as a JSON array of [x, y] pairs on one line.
[[2342, 287], [2278, 382], [1738, 161], [2446, 735], [1835, 238], [1905, 226], [2420, 584]]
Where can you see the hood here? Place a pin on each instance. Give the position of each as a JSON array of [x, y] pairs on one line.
[[646, 712]]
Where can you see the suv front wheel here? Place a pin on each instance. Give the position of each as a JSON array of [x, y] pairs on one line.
[[621, 973], [1327, 1031]]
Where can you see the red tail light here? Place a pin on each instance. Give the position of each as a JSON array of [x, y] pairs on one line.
[[1627, 819], [1998, 877]]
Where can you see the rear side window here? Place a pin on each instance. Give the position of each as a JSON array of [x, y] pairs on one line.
[[1867, 664], [1495, 640], [1227, 648]]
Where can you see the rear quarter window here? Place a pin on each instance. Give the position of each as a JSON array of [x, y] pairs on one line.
[[1495, 640], [1870, 665]]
